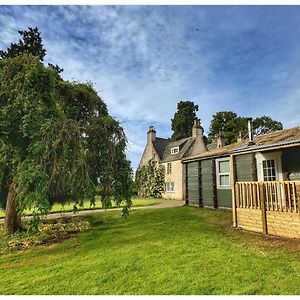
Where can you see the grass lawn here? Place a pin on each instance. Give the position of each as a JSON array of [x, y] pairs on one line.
[[58, 208], [162, 251]]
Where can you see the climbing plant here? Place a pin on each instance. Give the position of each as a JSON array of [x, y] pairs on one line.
[[150, 180]]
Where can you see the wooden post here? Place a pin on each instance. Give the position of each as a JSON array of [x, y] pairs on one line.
[[215, 199], [186, 191], [233, 180], [263, 208], [200, 184]]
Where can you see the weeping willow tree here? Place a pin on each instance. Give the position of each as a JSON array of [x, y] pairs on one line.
[[150, 180], [57, 142]]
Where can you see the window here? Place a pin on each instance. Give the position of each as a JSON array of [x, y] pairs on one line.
[[174, 150], [169, 168], [223, 173], [269, 170], [170, 187]]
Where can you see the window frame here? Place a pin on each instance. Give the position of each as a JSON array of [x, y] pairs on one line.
[[168, 184], [267, 168], [173, 149], [219, 174], [169, 168]]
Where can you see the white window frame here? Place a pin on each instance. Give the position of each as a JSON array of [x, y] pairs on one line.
[[175, 150], [218, 174], [169, 170], [276, 156], [170, 187]]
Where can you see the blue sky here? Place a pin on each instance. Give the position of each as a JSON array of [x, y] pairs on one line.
[[145, 59]]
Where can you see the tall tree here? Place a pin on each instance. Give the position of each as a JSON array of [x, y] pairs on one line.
[[57, 141], [264, 124], [31, 43], [183, 120]]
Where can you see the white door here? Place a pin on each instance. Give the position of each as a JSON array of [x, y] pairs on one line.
[[269, 166]]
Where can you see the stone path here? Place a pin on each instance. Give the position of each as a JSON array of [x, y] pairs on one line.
[[165, 203]]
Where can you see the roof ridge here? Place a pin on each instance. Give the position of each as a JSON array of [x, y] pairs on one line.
[[163, 138]]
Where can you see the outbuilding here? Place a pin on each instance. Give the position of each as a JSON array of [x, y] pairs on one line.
[[258, 178]]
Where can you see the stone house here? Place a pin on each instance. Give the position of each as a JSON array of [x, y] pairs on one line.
[[170, 153]]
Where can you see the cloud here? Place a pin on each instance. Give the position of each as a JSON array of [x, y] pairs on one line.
[[144, 59]]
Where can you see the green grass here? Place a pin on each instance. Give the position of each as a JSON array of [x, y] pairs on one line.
[[58, 208], [163, 251]]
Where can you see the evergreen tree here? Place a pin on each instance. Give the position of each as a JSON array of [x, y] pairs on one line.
[[183, 120], [31, 43]]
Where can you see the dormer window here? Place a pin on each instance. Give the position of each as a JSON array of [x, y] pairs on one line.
[[175, 150]]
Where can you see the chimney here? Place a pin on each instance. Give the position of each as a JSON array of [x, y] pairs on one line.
[[151, 135], [240, 138], [197, 133], [220, 140], [197, 130], [250, 132]]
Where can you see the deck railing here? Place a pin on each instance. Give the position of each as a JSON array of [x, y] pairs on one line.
[[277, 195]]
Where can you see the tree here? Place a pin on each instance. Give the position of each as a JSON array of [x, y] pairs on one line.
[[31, 43], [227, 123], [183, 120], [57, 142], [150, 180], [231, 125], [264, 124]]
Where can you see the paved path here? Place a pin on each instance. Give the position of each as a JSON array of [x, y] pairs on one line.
[[164, 204]]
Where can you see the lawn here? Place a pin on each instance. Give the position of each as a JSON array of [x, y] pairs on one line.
[[58, 208], [161, 251]]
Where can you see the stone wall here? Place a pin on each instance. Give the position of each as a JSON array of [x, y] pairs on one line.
[[177, 177]]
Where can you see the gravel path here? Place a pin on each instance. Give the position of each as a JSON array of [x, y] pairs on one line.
[[165, 203]]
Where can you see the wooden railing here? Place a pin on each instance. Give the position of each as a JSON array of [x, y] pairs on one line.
[[277, 195]]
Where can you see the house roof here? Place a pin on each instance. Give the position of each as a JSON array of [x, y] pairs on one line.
[[163, 148], [265, 141], [184, 146], [160, 145], [272, 139]]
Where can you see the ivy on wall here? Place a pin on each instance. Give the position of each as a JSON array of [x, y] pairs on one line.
[[150, 180]]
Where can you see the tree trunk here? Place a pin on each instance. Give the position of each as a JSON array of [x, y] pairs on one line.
[[12, 219]]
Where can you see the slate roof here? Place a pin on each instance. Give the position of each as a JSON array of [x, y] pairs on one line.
[[269, 140], [160, 145], [163, 148]]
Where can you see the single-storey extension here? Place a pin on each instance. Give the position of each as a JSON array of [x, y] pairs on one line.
[[258, 178]]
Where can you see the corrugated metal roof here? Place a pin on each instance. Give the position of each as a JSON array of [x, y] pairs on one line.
[[270, 140], [251, 148]]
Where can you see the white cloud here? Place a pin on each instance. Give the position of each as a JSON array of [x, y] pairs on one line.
[[143, 60]]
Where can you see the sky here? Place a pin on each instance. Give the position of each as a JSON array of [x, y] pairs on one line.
[[143, 60]]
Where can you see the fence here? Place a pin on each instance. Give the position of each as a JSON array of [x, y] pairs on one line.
[[270, 207]]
